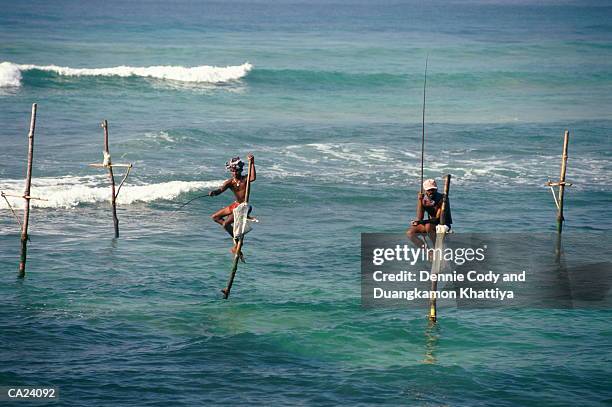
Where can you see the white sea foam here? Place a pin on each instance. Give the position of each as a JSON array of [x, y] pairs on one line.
[[10, 73], [69, 191], [360, 163]]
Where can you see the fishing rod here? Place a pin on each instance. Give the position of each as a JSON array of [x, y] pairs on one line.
[[419, 207], [423, 129]]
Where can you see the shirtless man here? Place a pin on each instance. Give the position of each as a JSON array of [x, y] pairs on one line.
[[238, 183], [430, 202]]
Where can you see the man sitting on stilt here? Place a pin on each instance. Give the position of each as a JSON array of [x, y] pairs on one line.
[[430, 202], [238, 185]]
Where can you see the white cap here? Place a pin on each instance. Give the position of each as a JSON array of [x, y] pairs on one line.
[[429, 184]]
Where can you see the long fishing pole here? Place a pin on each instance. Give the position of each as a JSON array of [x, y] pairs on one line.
[[423, 129], [419, 206]]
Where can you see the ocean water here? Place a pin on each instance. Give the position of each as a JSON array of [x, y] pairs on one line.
[[328, 97]]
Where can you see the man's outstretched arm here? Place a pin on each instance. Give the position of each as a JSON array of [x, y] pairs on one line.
[[221, 189]]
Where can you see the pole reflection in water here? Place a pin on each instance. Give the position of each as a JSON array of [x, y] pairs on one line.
[[432, 335]]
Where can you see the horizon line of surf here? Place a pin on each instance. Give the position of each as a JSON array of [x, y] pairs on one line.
[[11, 73]]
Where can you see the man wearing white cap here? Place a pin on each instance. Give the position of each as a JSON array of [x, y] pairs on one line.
[[430, 202]]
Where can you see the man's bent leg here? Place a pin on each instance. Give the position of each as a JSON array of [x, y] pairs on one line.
[[220, 215], [414, 233], [228, 224], [431, 231]]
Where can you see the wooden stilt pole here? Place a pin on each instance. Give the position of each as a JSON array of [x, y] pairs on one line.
[[26, 195], [437, 260], [107, 161], [230, 282], [560, 218], [559, 197]]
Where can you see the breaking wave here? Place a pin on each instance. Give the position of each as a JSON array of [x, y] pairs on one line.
[[69, 191], [361, 163], [10, 73]]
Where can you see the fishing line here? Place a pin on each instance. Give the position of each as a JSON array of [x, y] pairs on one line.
[[190, 201]]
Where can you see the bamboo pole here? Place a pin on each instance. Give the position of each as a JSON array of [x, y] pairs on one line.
[[107, 160], [560, 218], [26, 194], [230, 282], [437, 260], [3, 195], [107, 163], [558, 197], [559, 200]]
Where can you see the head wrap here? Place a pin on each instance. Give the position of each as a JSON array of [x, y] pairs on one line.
[[234, 164]]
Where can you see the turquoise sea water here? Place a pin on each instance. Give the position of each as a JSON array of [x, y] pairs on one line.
[[331, 109]]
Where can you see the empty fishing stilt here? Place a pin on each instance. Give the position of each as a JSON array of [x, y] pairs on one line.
[[441, 231], [26, 195], [107, 163], [559, 197], [560, 218]]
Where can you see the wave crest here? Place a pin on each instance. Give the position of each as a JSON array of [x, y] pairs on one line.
[[69, 191], [10, 73]]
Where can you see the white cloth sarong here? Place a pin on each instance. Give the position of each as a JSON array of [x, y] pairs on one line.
[[242, 223]]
